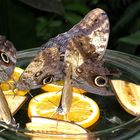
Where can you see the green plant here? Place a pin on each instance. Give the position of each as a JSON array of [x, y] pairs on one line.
[[35, 23]]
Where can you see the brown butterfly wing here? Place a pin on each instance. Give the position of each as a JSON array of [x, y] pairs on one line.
[[86, 50], [7, 58], [46, 63], [95, 27]]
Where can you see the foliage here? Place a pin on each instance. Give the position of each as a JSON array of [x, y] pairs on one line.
[[31, 23], [45, 5]]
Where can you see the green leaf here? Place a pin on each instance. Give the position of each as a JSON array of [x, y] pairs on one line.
[[47, 28], [46, 5], [127, 17], [95, 1], [41, 27], [56, 23], [133, 39], [73, 18], [18, 24], [77, 7]]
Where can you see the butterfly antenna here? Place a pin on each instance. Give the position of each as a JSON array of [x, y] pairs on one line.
[[52, 102], [79, 90], [28, 89], [77, 81], [59, 90], [57, 112], [32, 96]]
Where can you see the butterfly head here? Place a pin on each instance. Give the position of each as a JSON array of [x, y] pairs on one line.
[[7, 58]]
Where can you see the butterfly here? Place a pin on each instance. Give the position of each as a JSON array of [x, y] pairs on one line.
[[7, 65], [85, 44]]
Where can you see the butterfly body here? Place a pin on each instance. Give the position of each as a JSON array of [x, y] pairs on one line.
[[67, 93]]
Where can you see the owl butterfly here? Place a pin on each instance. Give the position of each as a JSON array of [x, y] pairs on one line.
[[7, 65], [84, 46]]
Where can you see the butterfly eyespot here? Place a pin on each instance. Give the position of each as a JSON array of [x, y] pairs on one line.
[[96, 20], [4, 57], [100, 81], [79, 70], [48, 79], [38, 73]]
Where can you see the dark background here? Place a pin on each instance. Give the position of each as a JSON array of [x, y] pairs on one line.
[[30, 23]]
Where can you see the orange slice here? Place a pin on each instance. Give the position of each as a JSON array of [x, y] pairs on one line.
[[51, 129], [84, 111], [8, 86], [57, 86], [15, 102]]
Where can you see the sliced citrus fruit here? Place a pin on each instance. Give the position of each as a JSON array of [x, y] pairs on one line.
[[41, 127], [57, 86], [7, 86], [15, 102], [128, 95], [52, 125], [84, 111]]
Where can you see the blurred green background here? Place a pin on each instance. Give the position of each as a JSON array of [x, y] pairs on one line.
[[30, 23]]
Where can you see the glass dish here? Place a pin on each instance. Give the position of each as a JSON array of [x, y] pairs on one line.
[[126, 125]]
